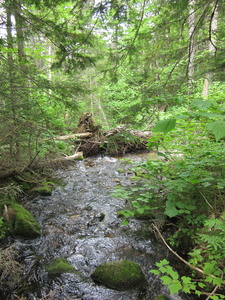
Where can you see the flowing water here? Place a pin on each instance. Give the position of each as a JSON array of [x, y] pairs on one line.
[[80, 223]]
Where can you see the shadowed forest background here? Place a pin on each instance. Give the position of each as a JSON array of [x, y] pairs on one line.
[[151, 66]]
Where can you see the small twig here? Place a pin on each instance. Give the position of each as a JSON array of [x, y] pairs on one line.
[[178, 256], [213, 292], [205, 199]]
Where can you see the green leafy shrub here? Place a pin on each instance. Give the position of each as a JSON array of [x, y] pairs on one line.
[[189, 189], [207, 260]]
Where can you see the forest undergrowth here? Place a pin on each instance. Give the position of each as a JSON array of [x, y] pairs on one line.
[[186, 185]]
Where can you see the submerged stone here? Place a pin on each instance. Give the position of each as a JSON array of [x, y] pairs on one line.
[[58, 266], [120, 275]]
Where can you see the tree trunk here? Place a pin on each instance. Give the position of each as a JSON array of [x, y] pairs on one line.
[[20, 37], [191, 22], [50, 55], [212, 47], [11, 79]]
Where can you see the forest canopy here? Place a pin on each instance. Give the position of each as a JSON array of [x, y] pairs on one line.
[[122, 61]]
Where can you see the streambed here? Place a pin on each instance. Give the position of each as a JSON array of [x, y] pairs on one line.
[[80, 223]]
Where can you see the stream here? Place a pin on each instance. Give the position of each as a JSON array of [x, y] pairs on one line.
[[80, 223]]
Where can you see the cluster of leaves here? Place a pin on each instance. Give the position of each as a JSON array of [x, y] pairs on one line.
[[207, 259], [207, 286], [193, 184], [190, 192], [188, 186]]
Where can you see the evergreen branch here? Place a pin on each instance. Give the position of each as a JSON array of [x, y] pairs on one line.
[[135, 36]]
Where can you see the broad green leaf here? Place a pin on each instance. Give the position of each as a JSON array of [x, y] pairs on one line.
[[141, 210], [175, 287], [166, 279], [214, 297], [162, 263], [136, 204], [217, 281], [173, 273], [155, 272], [201, 104], [201, 285], [186, 289], [171, 211], [186, 279], [208, 267], [198, 293], [217, 128], [165, 126]]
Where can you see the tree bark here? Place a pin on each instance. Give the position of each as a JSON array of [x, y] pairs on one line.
[[19, 35], [212, 47], [11, 80], [70, 136], [191, 21]]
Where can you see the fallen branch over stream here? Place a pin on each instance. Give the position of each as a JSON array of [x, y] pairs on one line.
[[70, 136], [77, 155]]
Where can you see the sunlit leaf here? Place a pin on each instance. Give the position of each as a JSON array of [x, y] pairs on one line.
[[141, 210], [165, 126], [175, 287], [166, 279], [155, 272], [217, 128]]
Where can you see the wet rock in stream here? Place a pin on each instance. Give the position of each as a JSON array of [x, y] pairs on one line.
[[80, 224], [121, 275]]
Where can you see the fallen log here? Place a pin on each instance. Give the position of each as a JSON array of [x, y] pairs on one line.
[[70, 136], [77, 155]]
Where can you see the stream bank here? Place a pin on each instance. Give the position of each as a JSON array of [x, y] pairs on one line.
[[80, 224]]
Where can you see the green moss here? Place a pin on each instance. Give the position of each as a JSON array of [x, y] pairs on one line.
[[58, 266], [45, 189], [3, 229], [18, 220], [120, 275], [161, 297], [24, 223]]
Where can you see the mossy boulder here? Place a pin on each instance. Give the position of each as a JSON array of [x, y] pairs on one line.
[[20, 221], [45, 189], [120, 275], [58, 266]]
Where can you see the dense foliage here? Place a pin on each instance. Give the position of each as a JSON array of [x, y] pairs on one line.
[[185, 183], [141, 63]]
